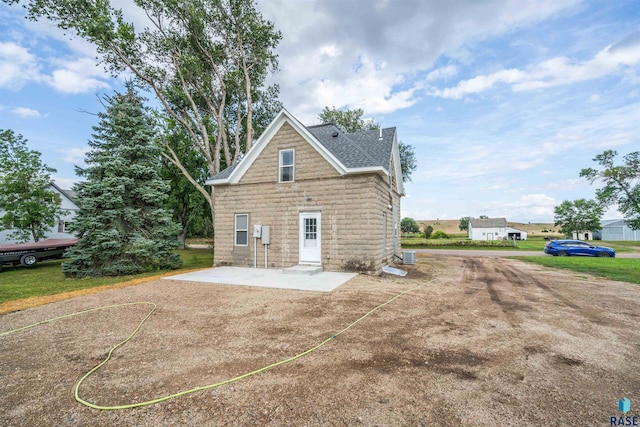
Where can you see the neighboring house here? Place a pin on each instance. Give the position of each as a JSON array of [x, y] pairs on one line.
[[329, 199], [617, 229], [59, 230], [493, 229]]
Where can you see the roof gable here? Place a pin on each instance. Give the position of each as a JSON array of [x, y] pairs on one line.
[[240, 168], [358, 152], [67, 194]]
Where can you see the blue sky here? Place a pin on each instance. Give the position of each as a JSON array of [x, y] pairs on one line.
[[503, 101]]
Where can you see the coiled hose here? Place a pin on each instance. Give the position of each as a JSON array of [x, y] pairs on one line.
[[195, 389]]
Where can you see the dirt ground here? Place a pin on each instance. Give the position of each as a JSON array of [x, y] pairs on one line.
[[487, 342]]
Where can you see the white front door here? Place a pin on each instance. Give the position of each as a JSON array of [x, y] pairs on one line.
[[310, 238]]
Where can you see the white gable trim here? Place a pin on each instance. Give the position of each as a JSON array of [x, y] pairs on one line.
[[376, 169], [281, 118], [397, 166], [216, 181]]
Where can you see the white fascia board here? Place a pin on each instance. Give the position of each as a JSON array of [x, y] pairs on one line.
[[373, 169], [281, 118], [395, 152], [216, 181]]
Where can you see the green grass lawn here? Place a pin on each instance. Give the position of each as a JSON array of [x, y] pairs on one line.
[[622, 269], [46, 278], [464, 243], [532, 244]]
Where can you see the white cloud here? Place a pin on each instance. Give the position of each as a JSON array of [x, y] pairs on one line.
[[25, 112], [568, 184], [69, 81], [79, 76], [478, 84], [17, 66], [537, 205], [372, 55], [75, 155], [442, 73], [552, 72]]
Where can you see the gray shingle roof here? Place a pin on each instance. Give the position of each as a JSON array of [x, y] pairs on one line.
[[226, 173], [488, 222], [354, 150], [378, 149]]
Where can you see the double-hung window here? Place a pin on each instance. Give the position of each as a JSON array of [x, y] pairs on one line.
[[287, 158], [242, 230]]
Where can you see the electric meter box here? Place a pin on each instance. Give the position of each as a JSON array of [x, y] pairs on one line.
[[266, 234], [257, 231]]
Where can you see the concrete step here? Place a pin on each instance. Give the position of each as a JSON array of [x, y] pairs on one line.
[[307, 270]]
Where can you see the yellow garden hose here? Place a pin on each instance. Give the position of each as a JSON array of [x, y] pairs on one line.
[[195, 389]]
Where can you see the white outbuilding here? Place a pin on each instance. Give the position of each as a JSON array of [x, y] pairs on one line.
[[494, 229], [618, 229]]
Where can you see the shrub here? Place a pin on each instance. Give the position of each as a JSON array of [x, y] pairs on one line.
[[428, 232], [439, 234]]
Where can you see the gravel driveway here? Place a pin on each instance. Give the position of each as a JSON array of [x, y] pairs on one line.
[[488, 342]]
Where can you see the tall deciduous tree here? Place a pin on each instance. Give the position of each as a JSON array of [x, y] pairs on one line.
[[463, 224], [28, 203], [206, 61], [409, 225], [351, 121], [123, 223], [621, 184], [189, 206], [578, 216]]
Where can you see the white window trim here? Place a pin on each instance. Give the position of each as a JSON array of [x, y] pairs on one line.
[[292, 166], [236, 229]]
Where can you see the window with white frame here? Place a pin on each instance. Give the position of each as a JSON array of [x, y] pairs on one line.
[[242, 230], [287, 158]]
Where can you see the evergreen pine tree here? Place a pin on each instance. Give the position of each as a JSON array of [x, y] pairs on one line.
[[123, 225]]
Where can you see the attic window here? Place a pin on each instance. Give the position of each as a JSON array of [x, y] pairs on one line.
[[287, 158]]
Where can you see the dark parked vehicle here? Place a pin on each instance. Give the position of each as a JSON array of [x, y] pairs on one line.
[[576, 247], [28, 254]]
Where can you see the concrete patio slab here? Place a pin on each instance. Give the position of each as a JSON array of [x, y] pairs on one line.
[[325, 281]]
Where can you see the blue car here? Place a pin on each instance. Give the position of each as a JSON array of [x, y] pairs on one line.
[[576, 247]]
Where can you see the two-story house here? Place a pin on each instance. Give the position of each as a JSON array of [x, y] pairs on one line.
[[311, 196]]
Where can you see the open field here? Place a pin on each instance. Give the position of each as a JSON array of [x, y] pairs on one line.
[[483, 342], [450, 226], [417, 241]]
